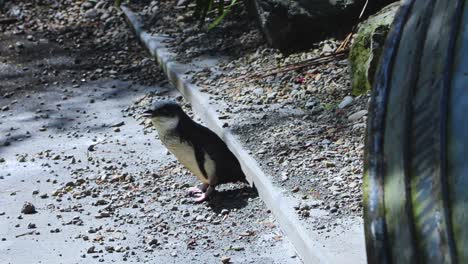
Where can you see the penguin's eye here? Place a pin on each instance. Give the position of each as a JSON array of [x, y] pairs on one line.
[[164, 111]]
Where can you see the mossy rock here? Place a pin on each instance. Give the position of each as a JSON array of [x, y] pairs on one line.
[[367, 47]]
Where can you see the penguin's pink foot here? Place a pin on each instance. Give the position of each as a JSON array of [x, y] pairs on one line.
[[201, 198], [194, 190]]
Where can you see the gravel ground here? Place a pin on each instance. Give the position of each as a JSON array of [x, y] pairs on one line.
[[303, 126], [190, 39], [82, 178]]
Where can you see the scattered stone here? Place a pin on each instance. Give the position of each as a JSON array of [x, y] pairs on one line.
[[327, 48], [225, 259], [153, 241], [91, 250], [358, 115], [101, 202], [87, 5], [28, 208], [19, 44], [347, 101], [119, 124], [109, 249], [91, 14], [119, 249]]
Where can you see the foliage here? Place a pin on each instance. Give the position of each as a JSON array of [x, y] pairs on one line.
[[117, 3], [224, 13], [367, 47], [204, 7], [328, 107]]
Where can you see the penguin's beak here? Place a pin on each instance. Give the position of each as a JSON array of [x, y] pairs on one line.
[[147, 113]]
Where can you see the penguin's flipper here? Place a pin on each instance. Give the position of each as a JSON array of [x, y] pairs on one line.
[[200, 158]]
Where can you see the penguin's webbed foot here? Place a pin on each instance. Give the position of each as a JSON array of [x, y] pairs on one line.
[[201, 197], [196, 190]]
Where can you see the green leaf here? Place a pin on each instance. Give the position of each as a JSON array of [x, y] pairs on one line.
[[221, 17], [210, 5]]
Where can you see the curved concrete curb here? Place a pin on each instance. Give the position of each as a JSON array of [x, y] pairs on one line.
[[310, 249]]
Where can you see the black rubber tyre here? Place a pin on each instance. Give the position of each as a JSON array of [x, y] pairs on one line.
[[416, 161]]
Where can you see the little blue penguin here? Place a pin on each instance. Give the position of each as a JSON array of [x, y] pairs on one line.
[[198, 148]]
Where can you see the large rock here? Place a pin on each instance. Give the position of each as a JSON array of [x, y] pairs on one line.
[[292, 25], [367, 48]]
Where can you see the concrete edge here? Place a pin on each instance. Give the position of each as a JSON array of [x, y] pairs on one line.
[[281, 206]]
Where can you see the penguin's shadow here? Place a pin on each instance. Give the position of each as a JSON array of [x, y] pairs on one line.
[[232, 198]]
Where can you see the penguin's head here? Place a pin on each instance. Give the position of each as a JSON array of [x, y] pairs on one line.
[[165, 115]]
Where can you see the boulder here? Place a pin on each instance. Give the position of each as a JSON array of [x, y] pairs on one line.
[[367, 47], [292, 25]]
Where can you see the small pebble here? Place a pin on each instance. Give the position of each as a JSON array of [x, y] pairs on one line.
[[225, 259], [28, 208]]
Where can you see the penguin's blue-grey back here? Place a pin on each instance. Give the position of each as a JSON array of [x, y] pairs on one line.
[[228, 168]]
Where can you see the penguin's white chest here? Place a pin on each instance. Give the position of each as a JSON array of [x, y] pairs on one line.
[[185, 153]]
